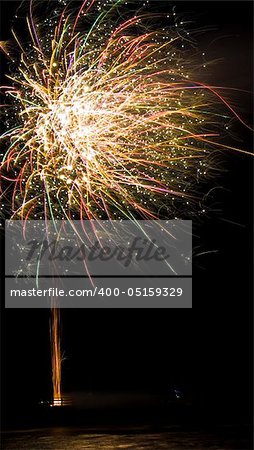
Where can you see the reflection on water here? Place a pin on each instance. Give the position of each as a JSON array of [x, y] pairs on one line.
[[71, 439]]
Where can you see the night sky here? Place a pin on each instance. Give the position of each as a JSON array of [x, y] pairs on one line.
[[207, 349]]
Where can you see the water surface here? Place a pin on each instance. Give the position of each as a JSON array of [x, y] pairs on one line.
[[77, 439]]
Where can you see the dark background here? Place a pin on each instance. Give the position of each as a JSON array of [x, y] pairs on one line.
[[207, 349]]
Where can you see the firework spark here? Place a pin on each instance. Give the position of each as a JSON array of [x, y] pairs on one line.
[[56, 356]]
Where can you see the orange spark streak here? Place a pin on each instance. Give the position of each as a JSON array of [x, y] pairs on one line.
[[56, 358]]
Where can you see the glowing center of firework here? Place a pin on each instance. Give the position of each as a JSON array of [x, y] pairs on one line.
[[68, 134]]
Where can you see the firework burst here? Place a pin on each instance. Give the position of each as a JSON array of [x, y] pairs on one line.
[[108, 120]]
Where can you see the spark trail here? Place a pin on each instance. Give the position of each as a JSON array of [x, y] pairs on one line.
[[56, 357]]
